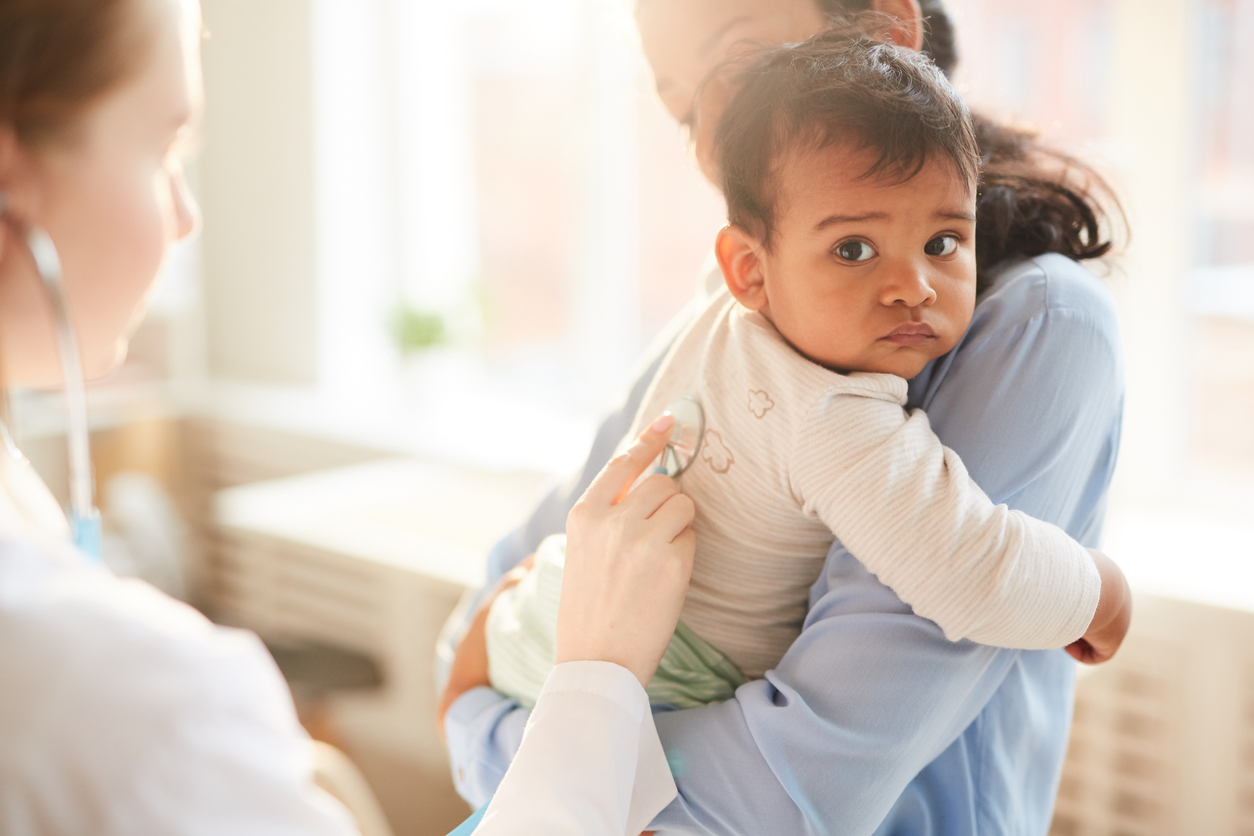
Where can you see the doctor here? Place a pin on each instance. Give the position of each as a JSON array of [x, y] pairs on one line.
[[123, 711]]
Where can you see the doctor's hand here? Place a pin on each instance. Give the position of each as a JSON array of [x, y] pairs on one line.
[[628, 562]]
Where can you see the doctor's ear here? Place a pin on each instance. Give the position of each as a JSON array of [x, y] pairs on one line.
[[740, 257]]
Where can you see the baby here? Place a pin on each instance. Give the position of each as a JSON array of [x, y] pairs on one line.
[[850, 172]]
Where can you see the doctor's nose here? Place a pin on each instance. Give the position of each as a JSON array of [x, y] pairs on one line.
[[908, 285]]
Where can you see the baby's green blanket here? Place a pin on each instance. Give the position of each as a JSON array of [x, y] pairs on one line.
[[522, 644]]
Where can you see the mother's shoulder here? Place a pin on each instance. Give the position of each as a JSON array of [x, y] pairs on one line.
[[1043, 287]]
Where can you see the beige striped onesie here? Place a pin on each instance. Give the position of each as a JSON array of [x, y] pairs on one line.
[[794, 455]]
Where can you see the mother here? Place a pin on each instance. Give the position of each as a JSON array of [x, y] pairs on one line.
[[873, 722]]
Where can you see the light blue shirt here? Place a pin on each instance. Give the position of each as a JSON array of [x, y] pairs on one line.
[[873, 722]]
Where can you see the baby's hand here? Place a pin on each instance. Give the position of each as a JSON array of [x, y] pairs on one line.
[[1110, 622]]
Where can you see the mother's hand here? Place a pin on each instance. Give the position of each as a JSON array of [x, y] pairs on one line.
[[628, 562]]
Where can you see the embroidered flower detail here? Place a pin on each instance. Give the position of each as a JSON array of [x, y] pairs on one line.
[[716, 453], [759, 402]]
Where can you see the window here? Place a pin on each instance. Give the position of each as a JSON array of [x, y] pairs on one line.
[[504, 166], [1161, 97]]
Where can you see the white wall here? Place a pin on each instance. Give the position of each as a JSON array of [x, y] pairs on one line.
[[256, 187]]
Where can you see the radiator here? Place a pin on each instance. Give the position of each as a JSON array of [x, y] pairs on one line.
[[1163, 738]]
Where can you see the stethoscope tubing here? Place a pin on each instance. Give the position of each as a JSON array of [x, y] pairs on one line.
[[83, 516]]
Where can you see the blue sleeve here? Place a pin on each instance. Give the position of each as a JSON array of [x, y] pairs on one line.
[[1033, 404], [870, 694]]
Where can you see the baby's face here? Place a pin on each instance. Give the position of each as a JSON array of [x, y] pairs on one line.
[[869, 276]]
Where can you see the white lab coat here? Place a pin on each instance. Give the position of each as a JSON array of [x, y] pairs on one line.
[[590, 762], [123, 711]]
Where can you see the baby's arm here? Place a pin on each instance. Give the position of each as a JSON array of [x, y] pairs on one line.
[[904, 505]]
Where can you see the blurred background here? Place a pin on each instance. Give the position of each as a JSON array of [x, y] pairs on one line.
[[436, 238]]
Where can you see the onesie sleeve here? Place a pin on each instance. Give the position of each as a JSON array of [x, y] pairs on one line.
[[905, 506]]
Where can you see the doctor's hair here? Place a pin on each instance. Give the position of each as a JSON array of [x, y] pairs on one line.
[[58, 56], [843, 87]]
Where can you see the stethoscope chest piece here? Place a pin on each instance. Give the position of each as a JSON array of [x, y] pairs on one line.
[[686, 435]]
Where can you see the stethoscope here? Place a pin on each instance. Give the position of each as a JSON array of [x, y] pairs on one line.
[[83, 517], [685, 440]]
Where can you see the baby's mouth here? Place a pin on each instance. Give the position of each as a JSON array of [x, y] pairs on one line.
[[910, 333]]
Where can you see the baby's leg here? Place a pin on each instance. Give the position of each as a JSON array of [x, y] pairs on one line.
[[522, 644], [522, 626]]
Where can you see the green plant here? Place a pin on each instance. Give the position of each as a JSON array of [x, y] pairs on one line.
[[414, 329]]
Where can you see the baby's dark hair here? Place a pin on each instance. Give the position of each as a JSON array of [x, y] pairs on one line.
[[939, 40], [844, 87], [837, 88]]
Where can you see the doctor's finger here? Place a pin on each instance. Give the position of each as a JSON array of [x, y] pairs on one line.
[[617, 477], [673, 517], [647, 496]]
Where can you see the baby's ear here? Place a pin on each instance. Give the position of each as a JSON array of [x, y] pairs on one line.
[[740, 257]]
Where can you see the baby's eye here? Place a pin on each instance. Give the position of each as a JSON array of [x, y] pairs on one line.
[[941, 245], [855, 251]]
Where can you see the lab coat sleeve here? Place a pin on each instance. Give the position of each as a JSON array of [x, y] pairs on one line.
[[590, 763]]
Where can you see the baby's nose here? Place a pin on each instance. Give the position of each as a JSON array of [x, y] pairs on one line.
[[909, 285]]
